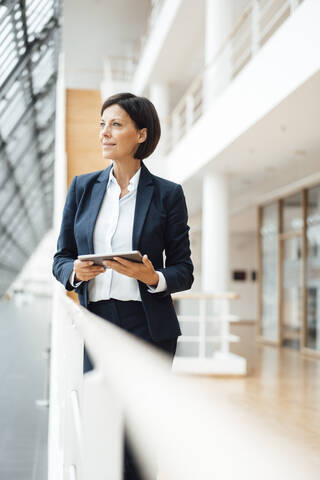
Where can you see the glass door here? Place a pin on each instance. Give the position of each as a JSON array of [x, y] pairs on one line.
[[313, 270], [269, 269], [292, 292], [292, 270]]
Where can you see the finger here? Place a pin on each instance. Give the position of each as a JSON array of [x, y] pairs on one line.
[[108, 263], [121, 269], [113, 263], [123, 261], [88, 270], [146, 260], [84, 262], [90, 276], [117, 267]]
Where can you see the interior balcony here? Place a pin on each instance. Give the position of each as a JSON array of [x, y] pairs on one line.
[[250, 122]]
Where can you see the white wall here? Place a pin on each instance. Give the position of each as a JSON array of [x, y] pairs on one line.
[[95, 29], [243, 256]]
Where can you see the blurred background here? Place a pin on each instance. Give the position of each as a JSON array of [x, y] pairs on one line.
[[236, 84]]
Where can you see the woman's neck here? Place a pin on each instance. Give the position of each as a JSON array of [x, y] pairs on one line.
[[124, 171]]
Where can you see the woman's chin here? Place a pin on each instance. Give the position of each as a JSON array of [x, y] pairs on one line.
[[107, 155]]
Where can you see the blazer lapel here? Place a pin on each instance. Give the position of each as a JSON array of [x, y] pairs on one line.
[[143, 200], [97, 194]]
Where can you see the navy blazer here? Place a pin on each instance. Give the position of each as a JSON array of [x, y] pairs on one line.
[[160, 224]]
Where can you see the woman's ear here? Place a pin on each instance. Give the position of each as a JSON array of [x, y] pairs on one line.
[[142, 135]]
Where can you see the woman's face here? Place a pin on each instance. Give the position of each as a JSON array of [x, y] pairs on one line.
[[118, 134]]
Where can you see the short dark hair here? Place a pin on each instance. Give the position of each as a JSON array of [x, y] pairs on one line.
[[143, 114]]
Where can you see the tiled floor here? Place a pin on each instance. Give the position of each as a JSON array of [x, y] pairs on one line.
[[24, 338]]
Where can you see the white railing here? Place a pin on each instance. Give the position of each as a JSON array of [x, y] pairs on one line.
[[173, 421], [213, 309], [205, 323], [122, 68], [259, 21]]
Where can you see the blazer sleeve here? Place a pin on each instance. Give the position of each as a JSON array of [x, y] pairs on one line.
[[66, 247], [178, 270]]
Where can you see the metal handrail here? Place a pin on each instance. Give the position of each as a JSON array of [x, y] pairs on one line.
[[205, 296], [191, 433]]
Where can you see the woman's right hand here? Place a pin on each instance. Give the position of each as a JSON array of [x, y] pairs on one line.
[[86, 270]]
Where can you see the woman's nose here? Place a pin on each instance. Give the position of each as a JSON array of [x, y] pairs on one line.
[[106, 131]]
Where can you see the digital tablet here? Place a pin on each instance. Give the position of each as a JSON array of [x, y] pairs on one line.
[[97, 258]]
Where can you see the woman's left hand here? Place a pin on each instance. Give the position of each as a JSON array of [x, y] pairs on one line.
[[144, 272]]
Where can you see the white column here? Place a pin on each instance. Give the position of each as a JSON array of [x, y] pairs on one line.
[[314, 261], [215, 234], [217, 27], [60, 164], [55, 445], [159, 96]]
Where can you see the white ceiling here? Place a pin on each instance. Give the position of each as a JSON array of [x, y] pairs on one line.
[[286, 136]]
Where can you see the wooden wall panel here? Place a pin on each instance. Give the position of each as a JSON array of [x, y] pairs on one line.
[[84, 152]]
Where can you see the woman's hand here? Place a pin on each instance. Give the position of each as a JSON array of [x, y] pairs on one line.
[[144, 272], [86, 270]]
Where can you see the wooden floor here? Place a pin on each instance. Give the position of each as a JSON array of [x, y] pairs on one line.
[[282, 386]]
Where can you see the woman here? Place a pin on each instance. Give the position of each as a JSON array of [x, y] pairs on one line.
[[126, 208]]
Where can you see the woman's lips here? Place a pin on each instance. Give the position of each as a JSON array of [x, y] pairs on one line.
[[108, 144]]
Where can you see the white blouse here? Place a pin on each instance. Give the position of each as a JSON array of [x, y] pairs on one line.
[[113, 233]]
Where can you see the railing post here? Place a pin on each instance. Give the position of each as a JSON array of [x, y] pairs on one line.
[[73, 473], [293, 5], [155, 9], [175, 128], [72, 406], [189, 111], [202, 327], [224, 326], [255, 20]]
